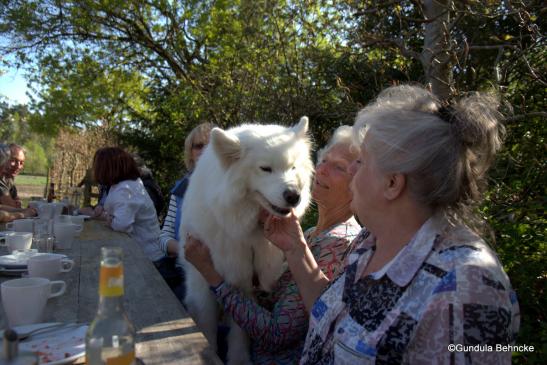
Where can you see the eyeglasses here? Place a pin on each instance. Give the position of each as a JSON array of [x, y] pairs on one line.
[[198, 146], [17, 162]]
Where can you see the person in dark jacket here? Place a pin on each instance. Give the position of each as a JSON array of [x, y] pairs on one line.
[[150, 185]]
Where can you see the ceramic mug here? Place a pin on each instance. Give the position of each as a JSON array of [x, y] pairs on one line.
[[25, 299], [21, 225], [16, 240], [50, 210], [48, 266]]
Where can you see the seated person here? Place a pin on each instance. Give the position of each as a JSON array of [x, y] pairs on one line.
[[194, 145], [127, 207], [277, 324], [419, 278], [13, 157], [150, 184]]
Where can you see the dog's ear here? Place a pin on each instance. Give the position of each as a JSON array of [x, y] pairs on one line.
[[301, 128], [226, 146]]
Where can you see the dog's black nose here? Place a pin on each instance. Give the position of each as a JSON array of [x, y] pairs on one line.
[[292, 197]]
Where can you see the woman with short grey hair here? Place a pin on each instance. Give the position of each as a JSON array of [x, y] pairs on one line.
[[420, 285]]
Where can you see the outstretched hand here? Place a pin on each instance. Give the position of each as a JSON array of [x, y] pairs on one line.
[[198, 254], [285, 233]]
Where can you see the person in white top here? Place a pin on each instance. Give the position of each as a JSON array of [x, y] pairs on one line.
[[128, 207]]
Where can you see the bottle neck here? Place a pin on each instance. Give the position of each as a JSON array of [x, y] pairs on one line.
[[110, 304]]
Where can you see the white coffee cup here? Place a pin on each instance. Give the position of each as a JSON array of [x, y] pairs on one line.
[[16, 240], [64, 234], [50, 210], [48, 266], [21, 225], [25, 299]]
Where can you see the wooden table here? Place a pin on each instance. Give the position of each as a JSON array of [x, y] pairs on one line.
[[166, 334]]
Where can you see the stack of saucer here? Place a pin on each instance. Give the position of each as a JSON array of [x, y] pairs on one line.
[[15, 264]]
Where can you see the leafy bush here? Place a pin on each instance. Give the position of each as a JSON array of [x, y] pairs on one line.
[[36, 161]]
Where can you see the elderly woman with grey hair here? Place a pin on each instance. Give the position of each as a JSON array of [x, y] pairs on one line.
[[277, 324], [7, 212], [420, 285]]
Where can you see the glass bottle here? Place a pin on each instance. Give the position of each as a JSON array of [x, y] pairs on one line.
[[51, 193], [110, 338]]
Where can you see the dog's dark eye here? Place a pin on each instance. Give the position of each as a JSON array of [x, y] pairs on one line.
[[266, 168]]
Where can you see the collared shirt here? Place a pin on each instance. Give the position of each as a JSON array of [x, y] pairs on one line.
[[7, 187], [445, 287], [133, 212]]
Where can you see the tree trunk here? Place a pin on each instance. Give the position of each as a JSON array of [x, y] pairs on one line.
[[435, 57]]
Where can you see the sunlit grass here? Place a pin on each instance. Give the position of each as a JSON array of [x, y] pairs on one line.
[[30, 180]]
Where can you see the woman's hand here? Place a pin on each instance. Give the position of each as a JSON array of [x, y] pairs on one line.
[[285, 233], [29, 212], [108, 218], [98, 211], [17, 215], [196, 253]]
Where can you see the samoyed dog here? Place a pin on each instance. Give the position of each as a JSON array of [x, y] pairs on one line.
[[242, 170]]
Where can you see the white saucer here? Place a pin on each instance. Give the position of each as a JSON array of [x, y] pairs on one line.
[[12, 272], [54, 348], [18, 262]]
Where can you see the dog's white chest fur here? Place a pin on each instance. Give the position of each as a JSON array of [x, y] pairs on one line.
[[242, 171]]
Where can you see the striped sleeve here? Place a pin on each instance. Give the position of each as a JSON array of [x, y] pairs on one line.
[[168, 229]]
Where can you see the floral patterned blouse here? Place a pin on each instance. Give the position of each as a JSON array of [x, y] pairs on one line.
[[277, 323], [445, 287]]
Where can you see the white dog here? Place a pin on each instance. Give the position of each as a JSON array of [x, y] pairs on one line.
[[241, 171]]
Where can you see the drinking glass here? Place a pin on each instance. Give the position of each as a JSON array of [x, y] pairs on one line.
[[44, 242]]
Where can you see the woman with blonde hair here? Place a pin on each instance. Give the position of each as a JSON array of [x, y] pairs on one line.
[[194, 144], [420, 285]]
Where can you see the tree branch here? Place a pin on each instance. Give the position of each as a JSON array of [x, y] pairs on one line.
[[526, 115], [376, 9], [398, 43]]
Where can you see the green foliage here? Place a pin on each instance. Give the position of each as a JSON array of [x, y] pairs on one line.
[[515, 208], [36, 160], [15, 127], [80, 92]]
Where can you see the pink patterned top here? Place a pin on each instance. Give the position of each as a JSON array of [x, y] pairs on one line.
[[277, 323]]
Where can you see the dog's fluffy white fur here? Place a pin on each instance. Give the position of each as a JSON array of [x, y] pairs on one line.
[[241, 171]]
